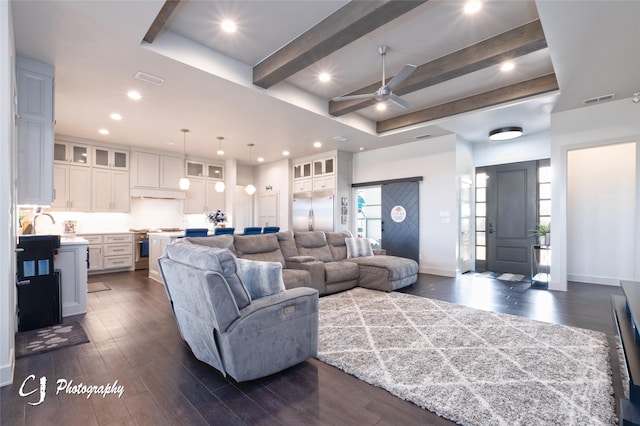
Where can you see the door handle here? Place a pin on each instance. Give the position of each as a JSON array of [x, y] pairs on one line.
[[491, 228]]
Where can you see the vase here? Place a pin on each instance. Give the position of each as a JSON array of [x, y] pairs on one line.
[[542, 240]]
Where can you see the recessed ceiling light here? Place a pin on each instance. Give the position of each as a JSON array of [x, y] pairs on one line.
[[507, 66], [317, 144], [362, 148], [324, 77], [228, 26], [116, 116], [505, 133], [103, 131], [472, 6], [381, 106], [260, 159], [134, 95], [285, 153]]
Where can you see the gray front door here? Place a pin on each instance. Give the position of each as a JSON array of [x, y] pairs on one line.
[[401, 219], [511, 215]]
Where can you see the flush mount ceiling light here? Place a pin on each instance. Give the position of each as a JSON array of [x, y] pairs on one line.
[[220, 139], [507, 66], [505, 133], [317, 144], [250, 189], [184, 182], [115, 116]]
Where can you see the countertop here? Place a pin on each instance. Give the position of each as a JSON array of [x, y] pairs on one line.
[[68, 241], [167, 234]]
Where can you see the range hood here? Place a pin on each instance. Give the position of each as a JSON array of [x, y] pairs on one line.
[[157, 193]]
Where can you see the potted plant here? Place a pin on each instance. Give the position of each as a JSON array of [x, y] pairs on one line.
[[543, 232]]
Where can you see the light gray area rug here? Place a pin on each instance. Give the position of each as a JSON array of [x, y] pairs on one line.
[[470, 366]]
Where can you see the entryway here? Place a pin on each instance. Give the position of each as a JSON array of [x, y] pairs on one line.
[[511, 199]]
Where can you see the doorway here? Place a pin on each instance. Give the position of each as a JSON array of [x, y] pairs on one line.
[[508, 207], [388, 215]]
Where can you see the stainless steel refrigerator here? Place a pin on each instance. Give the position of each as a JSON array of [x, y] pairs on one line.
[[313, 211]]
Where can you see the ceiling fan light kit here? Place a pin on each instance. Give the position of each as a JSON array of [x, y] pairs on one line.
[[385, 92], [505, 133]]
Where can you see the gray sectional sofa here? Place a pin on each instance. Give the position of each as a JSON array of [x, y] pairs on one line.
[[318, 260]]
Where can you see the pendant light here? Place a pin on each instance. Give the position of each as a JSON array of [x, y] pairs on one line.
[[184, 182], [220, 139], [250, 189]]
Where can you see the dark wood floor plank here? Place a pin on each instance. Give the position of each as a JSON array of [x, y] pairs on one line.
[[135, 339]]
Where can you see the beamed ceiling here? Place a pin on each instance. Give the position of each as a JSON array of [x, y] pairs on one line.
[[259, 85]]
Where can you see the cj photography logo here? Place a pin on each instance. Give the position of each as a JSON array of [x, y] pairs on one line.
[[36, 390]]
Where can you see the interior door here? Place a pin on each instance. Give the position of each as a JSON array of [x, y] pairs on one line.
[[400, 219], [511, 214]]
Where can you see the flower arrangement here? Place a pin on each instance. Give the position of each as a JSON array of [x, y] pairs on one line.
[[218, 217]]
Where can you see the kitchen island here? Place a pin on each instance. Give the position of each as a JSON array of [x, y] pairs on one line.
[[157, 243], [71, 260]]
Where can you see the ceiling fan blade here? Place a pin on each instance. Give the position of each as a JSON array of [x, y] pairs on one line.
[[350, 97], [399, 78], [399, 101]]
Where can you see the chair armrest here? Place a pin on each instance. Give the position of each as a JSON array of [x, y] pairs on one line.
[[271, 310], [300, 259], [316, 270]]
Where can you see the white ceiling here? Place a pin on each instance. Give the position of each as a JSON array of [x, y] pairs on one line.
[[96, 49]]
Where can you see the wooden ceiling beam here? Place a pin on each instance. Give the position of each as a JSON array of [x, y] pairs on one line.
[[525, 89], [508, 45], [342, 27], [161, 19]]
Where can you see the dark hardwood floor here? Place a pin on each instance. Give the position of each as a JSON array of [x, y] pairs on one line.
[[134, 340]]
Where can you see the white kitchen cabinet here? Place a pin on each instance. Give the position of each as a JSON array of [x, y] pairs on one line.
[[72, 188], [171, 171], [71, 153], [324, 183], [202, 197], [157, 244], [195, 169], [302, 170], [110, 252], [156, 175], [110, 158], [110, 191], [35, 133], [71, 260], [215, 171], [303, 185], [324, 166]]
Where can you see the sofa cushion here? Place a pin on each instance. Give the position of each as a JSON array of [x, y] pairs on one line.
[[358, 247], [213, 259], [287, 244], [296, 278], [340, 271], [337, 244], [261, 278], [217, 241], [393, 267], [264, 247], [313, 243]]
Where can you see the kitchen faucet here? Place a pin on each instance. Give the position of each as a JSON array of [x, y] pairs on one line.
[[33, 229]]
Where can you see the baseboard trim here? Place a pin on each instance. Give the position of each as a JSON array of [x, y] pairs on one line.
[[587, 279], [6, 371], [452, 273]]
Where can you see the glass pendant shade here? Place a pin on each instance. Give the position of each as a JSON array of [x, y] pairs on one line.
[[250, 189], [219, 186], [184, 183]]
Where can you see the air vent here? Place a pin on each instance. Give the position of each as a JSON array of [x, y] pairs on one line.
[[156, 81], [423, 136], [599, 99]]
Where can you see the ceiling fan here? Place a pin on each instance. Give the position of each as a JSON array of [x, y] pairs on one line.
[[385, 92]]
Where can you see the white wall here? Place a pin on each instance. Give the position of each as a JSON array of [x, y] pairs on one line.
[[597, 125], [601, 202], [435, 160], [7, 199], [525, 148]]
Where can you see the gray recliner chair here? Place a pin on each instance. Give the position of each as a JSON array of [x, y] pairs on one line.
[[235, 314]]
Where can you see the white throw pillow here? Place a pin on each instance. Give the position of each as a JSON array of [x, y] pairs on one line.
[[358, 247]]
